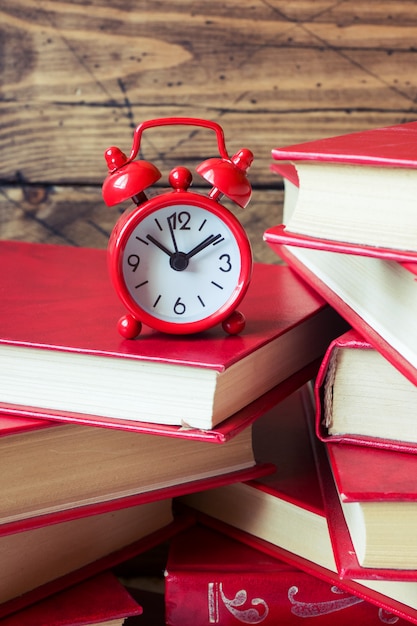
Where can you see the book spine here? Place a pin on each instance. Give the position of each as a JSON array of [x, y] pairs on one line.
[[230, 598]]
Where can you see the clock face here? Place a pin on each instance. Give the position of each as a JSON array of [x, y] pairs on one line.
[[184, 262]]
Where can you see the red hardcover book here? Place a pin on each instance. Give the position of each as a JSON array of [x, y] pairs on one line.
[[361, 398], [41, 561], [52, 472], [357, 189], [372, 508], [60, 352], [98, 600], [212, 578], [288, 173], [284, 514], [24, 418]]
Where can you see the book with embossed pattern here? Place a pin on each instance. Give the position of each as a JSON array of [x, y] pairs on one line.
[[212, 578]]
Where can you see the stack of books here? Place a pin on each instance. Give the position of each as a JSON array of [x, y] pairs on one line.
[[101, 436], [349, 230]]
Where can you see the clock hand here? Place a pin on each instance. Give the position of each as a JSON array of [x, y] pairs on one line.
[[171, 230], [179, 260], [209, 240], [159, 245]]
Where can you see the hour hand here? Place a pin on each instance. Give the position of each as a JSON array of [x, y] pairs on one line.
[[159, 245], [209, 240]]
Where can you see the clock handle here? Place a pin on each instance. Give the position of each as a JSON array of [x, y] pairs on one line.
[[186, 121]]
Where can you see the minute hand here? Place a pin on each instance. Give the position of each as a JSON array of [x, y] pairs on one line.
[[209, 240]]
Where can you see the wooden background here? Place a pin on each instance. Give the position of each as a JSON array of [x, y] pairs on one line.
[[78, 76]]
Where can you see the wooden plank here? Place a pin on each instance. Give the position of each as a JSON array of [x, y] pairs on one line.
[[77, 216], [79, 77]]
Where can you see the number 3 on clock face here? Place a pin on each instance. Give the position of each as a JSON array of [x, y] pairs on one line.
[[180, 264]]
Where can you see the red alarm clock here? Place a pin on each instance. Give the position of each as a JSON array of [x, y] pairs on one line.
[[180, 261]]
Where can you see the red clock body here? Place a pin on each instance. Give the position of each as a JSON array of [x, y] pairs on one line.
[[180, 263]]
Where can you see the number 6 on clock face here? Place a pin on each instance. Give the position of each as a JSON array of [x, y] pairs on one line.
[[181, 264]]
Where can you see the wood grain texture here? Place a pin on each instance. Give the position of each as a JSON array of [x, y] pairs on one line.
[[77, 216], [78, 76]]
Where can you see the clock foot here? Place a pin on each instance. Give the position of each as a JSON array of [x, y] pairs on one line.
[[128, 327], [234, 324]]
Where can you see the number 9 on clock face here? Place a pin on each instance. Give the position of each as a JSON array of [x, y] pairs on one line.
[[180, 264]]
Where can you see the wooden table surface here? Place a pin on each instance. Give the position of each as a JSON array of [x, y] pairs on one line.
[[78, 77]]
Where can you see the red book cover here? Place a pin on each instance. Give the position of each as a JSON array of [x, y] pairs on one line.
[[287, 171], [371, 477], [363, 314], [407, 257], [391, 146], [212, 578], [351, 340], [98, 600], [79, 363], [40, 562], [295, 528], [11, 425], [396, 599]]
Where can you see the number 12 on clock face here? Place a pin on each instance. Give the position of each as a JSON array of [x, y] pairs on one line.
[[182, 265]]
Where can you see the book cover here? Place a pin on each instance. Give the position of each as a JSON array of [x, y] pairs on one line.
[[372, 509], [406, 257], [284, 514], [373, 475], [48, 559], [361, 398], [65, 471], [357, 188], [153, 604], [346, 281], [89, 369], [389, 146], [211, 578], [101, 599]]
